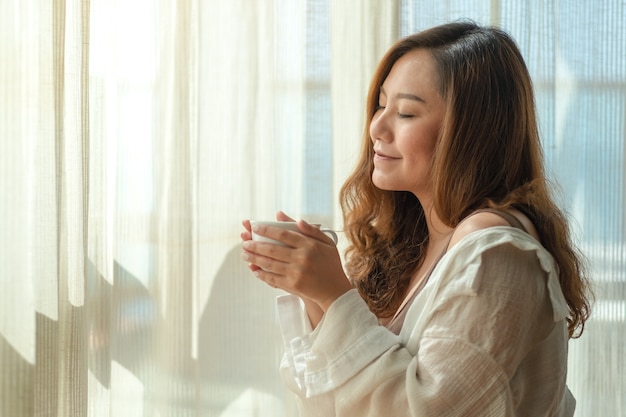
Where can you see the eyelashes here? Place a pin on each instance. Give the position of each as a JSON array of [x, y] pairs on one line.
[[400, 115]]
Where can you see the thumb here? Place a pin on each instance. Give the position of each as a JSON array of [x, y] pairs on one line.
[[314, 232], [282, 217]]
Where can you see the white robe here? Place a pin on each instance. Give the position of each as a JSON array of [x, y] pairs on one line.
[[486, 336]]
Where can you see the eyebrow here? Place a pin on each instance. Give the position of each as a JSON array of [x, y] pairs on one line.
[[407, 96]]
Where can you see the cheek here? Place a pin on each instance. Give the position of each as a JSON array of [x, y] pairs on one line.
[[419, 160], [420, 149], [427, 142]]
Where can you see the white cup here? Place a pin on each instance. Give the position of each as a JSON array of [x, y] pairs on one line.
[[293, 226]]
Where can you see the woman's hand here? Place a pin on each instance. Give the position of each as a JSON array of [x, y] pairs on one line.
[[309, 266], [247, 233]]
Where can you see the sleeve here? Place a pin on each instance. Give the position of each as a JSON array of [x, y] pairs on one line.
[[490, 308]]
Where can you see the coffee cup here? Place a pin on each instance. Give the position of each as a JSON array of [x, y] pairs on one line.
[[293, 226]]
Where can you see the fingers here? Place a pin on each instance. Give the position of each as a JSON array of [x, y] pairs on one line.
[[296, 266], [314, 232], [286, 237], [269, 278], [282, 217], [253, 267], [267, 256], [246, 234], [270, 256]]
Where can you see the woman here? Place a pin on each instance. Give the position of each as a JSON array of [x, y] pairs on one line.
[[464, 286]]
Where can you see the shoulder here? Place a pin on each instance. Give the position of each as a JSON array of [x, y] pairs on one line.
[[483, 220]]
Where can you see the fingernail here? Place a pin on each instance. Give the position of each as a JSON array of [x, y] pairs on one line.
[[245, 256], [246, 244]]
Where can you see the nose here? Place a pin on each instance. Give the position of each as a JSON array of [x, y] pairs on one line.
[[379, 127]]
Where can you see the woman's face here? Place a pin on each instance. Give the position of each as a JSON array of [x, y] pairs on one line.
[[406, 125]]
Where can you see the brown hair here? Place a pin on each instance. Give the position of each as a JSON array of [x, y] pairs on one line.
[[488, 155]]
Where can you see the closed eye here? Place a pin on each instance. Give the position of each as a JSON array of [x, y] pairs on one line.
[[404, 116]]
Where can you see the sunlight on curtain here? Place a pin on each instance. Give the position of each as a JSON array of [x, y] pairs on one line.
[[24, 252], [135, 136]]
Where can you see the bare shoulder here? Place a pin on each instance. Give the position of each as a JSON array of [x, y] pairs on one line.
[[483, 220]]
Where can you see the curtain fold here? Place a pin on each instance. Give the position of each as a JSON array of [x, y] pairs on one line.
[[135, 136]]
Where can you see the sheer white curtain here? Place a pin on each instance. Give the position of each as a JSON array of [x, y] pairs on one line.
[[134, 137]]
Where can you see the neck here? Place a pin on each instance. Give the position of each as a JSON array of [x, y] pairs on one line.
[[438, 231]]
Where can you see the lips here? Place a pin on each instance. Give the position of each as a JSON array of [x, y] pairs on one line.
[[383, 156]]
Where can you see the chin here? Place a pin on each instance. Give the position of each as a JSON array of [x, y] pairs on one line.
[[390, 183], [384, 186]]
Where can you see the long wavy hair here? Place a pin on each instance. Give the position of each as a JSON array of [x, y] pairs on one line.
[[488, 155]]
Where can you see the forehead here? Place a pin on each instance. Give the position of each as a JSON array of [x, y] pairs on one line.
[[414, 72]]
